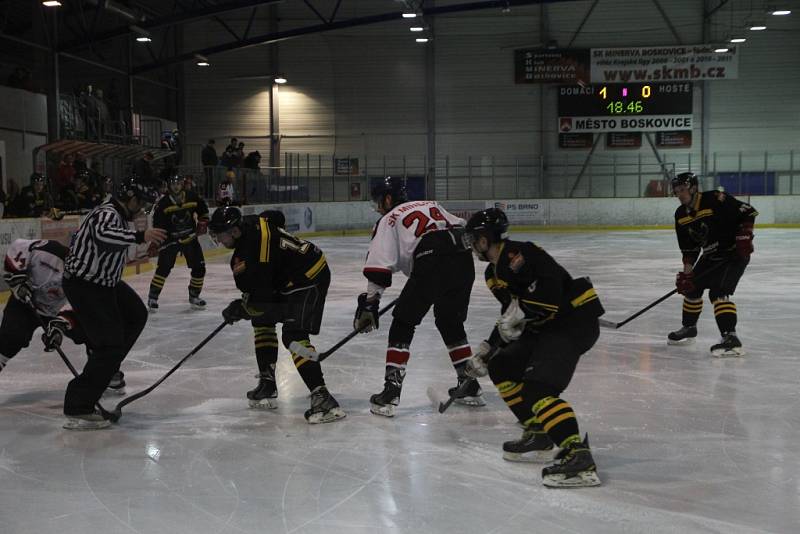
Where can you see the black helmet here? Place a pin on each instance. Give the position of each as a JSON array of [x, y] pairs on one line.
[[390, 186], [83, 175], [491, 223], [37, 178], [130, 188], [224, 219], [688, 179], [175, 179]]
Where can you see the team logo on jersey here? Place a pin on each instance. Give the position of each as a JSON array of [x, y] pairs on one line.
[[238, 266]]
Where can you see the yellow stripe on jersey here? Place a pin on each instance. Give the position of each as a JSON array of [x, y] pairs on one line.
[[699, 215], [263, 255], [548, 307], [316, 268], [587, 296]]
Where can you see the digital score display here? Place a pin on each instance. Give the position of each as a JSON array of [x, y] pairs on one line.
[[620, 99]]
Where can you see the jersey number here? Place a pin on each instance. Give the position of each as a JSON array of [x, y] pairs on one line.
[[290, 242], [424, 223]]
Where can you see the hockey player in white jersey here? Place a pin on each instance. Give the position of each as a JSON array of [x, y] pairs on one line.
[[423, 240], [33, 272]]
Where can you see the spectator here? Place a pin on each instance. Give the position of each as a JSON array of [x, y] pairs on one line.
[[225, 193], [33, 200], [252, 160], [229, 156], [144, 172], [239, 155], [107, 189], [210, 160], [65, 174]]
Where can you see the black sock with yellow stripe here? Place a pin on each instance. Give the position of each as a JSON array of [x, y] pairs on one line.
[[725, 314], [156, 285], [266, 341], [195, 286], [691, 311], [558, 420], [513, 394], [310, 371]]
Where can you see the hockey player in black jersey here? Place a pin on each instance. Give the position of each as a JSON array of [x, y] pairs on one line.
[[722, 227], [548, 320], [283, 279], [184, 215]]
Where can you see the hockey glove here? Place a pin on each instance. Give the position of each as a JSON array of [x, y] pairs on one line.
[[366, 319], [202, 227], [54, 333], [744, 240], [20, 286], [684, 282], [477, 365], [235, 311], [512, 323]]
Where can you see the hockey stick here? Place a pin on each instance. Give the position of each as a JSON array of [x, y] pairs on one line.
[[117, 413], [611, 324], [314, 356], [106, 414]]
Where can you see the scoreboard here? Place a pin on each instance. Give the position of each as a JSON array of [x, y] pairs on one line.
[[622, 107]]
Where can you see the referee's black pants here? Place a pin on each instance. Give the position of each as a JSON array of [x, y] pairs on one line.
[[112, 319]]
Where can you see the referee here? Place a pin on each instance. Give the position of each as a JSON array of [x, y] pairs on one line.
[[110, 312]]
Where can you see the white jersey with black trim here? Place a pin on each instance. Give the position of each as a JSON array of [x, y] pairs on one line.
[[397, 234], [44, 270]]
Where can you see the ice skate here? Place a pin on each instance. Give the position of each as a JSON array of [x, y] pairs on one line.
[[534, 446], [196, 303], [574, 468], [265, 394], [324, 408], [472, 395], [385, 402], [89, 421], [729, 347], [152, 305], [684, 336]]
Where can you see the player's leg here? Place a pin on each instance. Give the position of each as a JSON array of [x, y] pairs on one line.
[[265, 394], [16, 329], [412, 305], [725, 312], [457, 275], [692, 308], [166, 261], [304, 310], [195, 260]]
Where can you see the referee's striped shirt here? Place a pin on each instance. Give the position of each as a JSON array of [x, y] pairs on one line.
[[99, 248]]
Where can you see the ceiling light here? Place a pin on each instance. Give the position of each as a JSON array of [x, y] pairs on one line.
[[143, 39], [738, 39], [757, 27], [721, 50], [781, 12], [51, 3], [416, 28], [280, 79], [422, 40], [409, 15], [203, 64]]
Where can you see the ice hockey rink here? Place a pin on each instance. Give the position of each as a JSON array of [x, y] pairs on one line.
[[683, 442]]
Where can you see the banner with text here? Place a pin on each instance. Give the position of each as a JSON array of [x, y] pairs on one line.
[[650, 123], [663, 63]]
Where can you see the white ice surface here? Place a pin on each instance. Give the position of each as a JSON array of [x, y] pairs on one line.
[[683, 442]]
